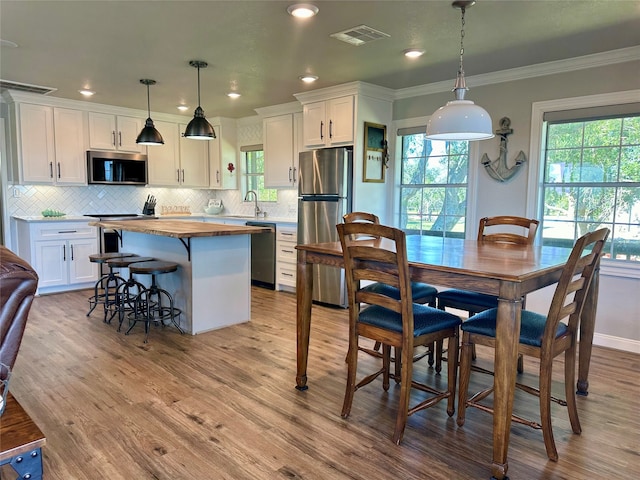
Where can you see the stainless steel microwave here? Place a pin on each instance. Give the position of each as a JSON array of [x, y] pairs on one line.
[[116, 168]]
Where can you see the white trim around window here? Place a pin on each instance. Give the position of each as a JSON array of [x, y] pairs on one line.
[[538, 109]]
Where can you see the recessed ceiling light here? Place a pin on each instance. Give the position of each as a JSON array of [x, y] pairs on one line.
[[183, 108], [302, 10], [308, 78], [233, 95], [413, 52], [86, 93]]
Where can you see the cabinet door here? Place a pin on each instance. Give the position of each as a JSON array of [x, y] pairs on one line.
[[36, 138], [340, 118], [71, 165], [128, 130], [164, 160], [222, 152], [278, 151], [50, 262], [102, 131], [194, 161], [81, 270], [314, 128]]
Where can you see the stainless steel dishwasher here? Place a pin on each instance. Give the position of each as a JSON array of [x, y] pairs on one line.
[[263, 256]]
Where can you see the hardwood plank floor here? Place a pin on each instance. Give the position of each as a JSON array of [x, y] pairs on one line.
[[222, 405]]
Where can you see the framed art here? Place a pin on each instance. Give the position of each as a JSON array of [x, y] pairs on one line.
[[375, 152]]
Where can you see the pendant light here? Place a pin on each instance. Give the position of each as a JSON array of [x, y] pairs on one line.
[[460, 119], [149, 135], [199, 128]]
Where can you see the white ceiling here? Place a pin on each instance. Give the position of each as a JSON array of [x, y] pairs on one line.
[[257, 48]]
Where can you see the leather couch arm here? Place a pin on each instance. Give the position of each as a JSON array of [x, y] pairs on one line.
[[18, 283]]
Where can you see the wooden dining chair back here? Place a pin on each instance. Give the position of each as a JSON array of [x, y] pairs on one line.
[[377, 253], [543, 337], [523, 233]]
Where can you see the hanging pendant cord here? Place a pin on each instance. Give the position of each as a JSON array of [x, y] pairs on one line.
[[198, 85], [148, 102], [460, 68]]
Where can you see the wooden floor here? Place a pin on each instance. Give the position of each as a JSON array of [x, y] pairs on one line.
[[222, 405]]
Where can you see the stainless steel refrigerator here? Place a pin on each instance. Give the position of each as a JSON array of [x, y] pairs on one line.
[[324, 196]]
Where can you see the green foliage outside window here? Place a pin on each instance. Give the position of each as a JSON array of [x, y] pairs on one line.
[[592, 180], [254, 177], [433, 187]]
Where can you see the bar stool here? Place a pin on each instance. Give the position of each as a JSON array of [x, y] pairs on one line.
[[151, 303], [107, 284], [126, 293]]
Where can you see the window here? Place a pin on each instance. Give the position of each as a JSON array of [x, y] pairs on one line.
[[591, 179], [254, 174], [433, 186]]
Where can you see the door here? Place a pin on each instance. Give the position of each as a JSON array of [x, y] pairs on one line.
[[71, 164], [50, 263], [324, 172], [164, 160], [81, 270], [37, 146]]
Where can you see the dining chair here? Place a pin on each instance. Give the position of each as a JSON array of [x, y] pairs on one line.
[[377, 253], [500, 229], [543, 337], [420, 292]]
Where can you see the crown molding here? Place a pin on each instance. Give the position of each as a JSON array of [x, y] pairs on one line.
[[594, 60]]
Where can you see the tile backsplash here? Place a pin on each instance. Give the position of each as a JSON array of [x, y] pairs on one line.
[[27, 200]]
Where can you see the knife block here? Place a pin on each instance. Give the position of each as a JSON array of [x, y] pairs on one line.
[[148, 209]]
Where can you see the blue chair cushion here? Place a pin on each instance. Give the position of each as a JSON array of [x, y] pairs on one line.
[[531, 326], [419, 291], [471, 298], [425, 319]]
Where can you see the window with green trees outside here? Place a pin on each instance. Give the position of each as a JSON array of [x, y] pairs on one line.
[[433, 186], [592, 180], [254, 176]]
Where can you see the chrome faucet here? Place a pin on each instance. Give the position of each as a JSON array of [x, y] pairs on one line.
[[255, 199]]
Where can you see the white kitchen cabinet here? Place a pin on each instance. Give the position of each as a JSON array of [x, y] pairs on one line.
[[222, 153], [329, 122], [194, 161], [59, 253], [286, 258], [114, 132], [51, 145], [164, 160], [278, 144], [70, 148]]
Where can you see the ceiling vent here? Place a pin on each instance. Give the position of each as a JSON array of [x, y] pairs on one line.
[[359, 35], [25, 87]]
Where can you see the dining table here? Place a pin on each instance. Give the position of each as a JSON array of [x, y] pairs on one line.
[[506, 270]]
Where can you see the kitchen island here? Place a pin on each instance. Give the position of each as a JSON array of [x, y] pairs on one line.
[[212, 286]]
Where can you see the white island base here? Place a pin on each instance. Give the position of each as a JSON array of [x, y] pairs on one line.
[[213, 289]]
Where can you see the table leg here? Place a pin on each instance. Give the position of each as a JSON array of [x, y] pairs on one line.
[[304, 291], [587, 328], [506, 359]]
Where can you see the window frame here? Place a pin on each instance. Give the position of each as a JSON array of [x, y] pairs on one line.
[[534, 208], [245, 151]]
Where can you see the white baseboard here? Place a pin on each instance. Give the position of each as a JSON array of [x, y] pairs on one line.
[[618, 343]]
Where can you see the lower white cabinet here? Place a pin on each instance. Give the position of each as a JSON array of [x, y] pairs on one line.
[[286, 257], [59, 253]]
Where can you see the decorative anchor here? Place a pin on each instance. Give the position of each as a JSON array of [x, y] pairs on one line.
[[498, 169]]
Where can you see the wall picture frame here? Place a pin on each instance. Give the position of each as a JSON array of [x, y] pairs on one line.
[[375, 152]]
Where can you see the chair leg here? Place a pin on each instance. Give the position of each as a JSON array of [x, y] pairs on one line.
[[386, 365], [438, 355], [352, 367], [569, 387], [465, 373], [545, 411], [405, 391], [452, 370], [520, 363]]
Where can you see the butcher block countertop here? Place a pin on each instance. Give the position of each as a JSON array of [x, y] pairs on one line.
[[179, 228]]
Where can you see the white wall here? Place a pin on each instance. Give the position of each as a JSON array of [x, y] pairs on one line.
[[618, 318]]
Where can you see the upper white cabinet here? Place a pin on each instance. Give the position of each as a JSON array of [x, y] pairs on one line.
[[50, 145], [329, 122], [223, 155], [194, 161], [164, 160], [114, 132], [71, 163], [281, 131]]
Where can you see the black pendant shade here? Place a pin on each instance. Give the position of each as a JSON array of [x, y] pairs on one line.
[[199, 128], [149, 135]]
